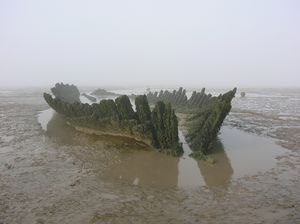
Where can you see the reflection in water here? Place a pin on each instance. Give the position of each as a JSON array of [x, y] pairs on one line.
[[211, 175], [239, 154], [146, 168], [57, 128], [217, 174], [44, 117], [249, 153], [139, 167], [189, 174]]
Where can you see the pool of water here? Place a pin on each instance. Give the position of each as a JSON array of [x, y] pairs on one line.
[[237, 154]]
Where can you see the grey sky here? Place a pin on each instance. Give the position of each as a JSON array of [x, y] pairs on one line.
[[157, 42]]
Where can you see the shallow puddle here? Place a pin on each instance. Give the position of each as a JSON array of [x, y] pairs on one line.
[[237, 153]]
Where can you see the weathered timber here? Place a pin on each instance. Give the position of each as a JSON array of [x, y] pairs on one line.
[[208, 113], [166, 125], [67, 93], [178, 98], [158, 128], [204, 126]]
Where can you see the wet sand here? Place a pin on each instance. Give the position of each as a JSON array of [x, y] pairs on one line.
[[69, 177]]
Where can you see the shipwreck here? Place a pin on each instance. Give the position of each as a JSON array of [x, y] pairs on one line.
[[206, 114], [156, 127]]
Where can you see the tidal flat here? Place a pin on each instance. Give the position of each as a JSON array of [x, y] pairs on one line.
[[51, 173]]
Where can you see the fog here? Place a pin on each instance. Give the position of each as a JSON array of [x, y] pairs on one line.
[[136, 42]]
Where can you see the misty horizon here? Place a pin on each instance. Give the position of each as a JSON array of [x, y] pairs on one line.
[[134, 43]]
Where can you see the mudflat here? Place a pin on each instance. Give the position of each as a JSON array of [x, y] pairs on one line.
[[51, 173]]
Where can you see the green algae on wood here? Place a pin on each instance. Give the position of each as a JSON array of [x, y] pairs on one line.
[[117, 117], [67, 93], [204, 126], [208, 113]]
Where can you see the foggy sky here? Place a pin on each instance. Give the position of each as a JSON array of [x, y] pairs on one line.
[[157, 42]]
